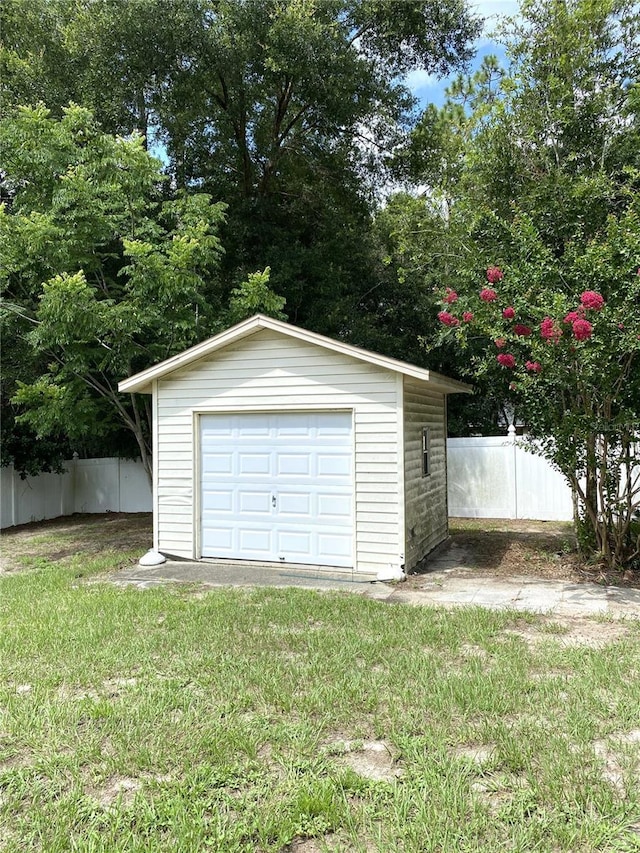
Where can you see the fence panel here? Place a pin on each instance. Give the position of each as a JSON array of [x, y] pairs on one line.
[[542, 492], [493, 477], [87, 485], [489, 477]]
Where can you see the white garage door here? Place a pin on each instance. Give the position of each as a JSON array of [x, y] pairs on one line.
[[278, 487]]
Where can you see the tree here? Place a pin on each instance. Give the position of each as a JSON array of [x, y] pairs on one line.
[[549, 191], [286, 110], [103, 274]]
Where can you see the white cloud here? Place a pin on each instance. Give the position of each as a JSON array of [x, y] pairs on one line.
[[493, 9], [421, 79]]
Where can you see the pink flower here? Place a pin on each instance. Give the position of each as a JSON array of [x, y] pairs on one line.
[[523, 331], [582, 330], [621, 325], [494, 275], [448, 319], [533, 366], [513, 386], [550, 330], [509, 313], [500, 342], [488, 295], [593, 300], [467, 316], [572, 316], [505, 359], [450, 296]]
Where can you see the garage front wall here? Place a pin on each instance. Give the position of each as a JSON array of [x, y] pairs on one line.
[[271, 372]]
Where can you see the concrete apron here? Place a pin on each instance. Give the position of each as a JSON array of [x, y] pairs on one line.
[[226, 573], [445, 585]]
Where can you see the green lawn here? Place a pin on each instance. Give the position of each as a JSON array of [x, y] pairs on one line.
[[191, 720]]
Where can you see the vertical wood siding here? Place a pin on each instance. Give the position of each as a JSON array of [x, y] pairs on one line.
[[269, 370], [425, 497]]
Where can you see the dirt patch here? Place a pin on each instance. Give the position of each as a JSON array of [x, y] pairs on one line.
[[371, 759], [505, 548], [60, 538], [477, 753], [498, 790], [121, 789], [612, 752], [573, 633]]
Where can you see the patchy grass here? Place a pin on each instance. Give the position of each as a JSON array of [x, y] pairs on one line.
[[73, 538], [544, 549], [289, 720]]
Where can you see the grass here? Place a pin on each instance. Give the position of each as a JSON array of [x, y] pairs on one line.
[[289, 720]]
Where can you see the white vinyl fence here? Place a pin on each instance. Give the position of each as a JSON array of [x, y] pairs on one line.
[[494, 477], [87, 485], [488, 478]]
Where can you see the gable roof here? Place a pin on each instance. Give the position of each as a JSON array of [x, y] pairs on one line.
[[142, 382]]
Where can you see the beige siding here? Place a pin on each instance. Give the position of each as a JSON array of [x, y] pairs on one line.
[[425, 497], [271, 371]]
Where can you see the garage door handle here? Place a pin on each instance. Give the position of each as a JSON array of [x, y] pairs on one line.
[[273, 500]]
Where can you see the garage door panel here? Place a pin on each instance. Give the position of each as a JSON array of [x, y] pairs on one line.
[[218, 538], [251, 430], [217, 463], [296, 465], [254, 463], [294, 545], [256, 541], [278, 487], [294, 503], [217, 501], [254, 502]]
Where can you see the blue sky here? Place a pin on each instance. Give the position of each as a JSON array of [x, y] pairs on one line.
[[430, 89]]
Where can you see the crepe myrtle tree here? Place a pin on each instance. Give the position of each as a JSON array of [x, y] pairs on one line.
[[563, 340]]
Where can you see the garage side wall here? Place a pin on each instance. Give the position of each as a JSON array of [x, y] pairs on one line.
[[269, 371], [425, 496]]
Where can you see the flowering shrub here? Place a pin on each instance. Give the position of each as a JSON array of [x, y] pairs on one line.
[[448, 319], [550, 330], [521, 331], [450, 296], [572, 369], [582, 330], [487, 294], [593, 300]]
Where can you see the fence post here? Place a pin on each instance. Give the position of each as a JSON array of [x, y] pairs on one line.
[[514, 461], [14, 498]]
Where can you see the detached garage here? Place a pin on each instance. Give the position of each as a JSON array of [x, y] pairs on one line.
[[277, 445]]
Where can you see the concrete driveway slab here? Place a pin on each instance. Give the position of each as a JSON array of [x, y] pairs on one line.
[[446, 584]]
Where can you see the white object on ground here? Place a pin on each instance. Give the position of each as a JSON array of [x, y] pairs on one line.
[[152, 558], [391, 573]]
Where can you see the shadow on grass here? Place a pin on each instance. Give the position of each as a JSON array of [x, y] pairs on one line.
[[86, 533]]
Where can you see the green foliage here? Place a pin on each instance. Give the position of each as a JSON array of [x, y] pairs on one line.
[[286, 111], [536, 169], [254, 297], [104, 275]]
